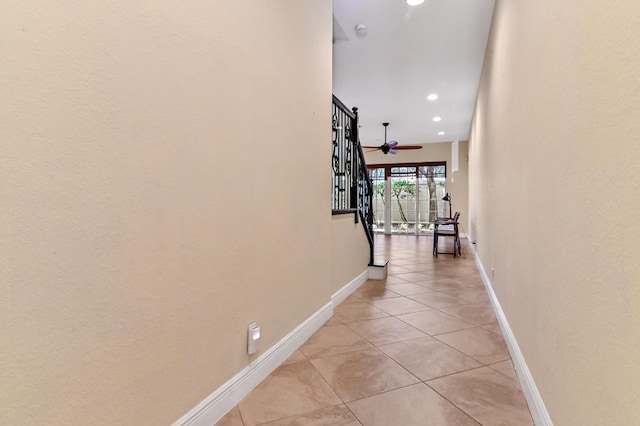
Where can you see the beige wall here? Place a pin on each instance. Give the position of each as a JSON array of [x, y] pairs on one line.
[[457, 182], [554, 186], [131, 134], [349, 250]]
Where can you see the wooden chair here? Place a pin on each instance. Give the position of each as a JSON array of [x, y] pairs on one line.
[[447, 228]]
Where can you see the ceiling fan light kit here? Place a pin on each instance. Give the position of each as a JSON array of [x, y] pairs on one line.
[[388, 148]]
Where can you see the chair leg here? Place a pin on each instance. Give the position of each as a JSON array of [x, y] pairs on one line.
[[435, 244], [455, 241]]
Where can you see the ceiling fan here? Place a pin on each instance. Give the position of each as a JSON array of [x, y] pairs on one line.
[[390, 147]]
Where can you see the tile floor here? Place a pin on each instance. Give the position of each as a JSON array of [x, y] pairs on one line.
[[419, 348]]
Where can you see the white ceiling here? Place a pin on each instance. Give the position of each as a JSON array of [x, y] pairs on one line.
[[408, 53]]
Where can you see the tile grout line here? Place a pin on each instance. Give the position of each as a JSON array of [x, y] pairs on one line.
[[454, 404]]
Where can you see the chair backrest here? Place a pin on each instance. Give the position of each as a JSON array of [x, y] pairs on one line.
[[456, 216]]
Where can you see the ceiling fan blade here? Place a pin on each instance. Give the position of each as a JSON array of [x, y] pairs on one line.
[[409, 147]]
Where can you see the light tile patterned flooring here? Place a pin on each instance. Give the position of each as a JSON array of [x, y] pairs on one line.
[[419, 348]]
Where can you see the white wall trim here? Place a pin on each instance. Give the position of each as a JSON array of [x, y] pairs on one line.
[[534, 399], [216, 405], [339, 296]]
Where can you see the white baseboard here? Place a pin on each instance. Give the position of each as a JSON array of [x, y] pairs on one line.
[[216, 405], [534, 399], [339, 296]]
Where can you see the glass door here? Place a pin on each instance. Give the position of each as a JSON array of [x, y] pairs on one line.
[[432, 181], [378, 183], [407, 198], [403, 200]]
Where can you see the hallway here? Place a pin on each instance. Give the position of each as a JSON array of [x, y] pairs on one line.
[[420, 348]]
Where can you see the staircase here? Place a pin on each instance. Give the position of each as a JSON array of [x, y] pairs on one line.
[[352, 191]]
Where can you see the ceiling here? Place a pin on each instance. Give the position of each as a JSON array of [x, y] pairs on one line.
[[407, 53]]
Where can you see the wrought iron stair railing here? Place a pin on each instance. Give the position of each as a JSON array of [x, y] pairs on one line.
[[352, 190]]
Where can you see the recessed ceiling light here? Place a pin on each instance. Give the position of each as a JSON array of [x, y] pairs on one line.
[[441, 133], [432, 97], [437, 118], [414, 2]]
